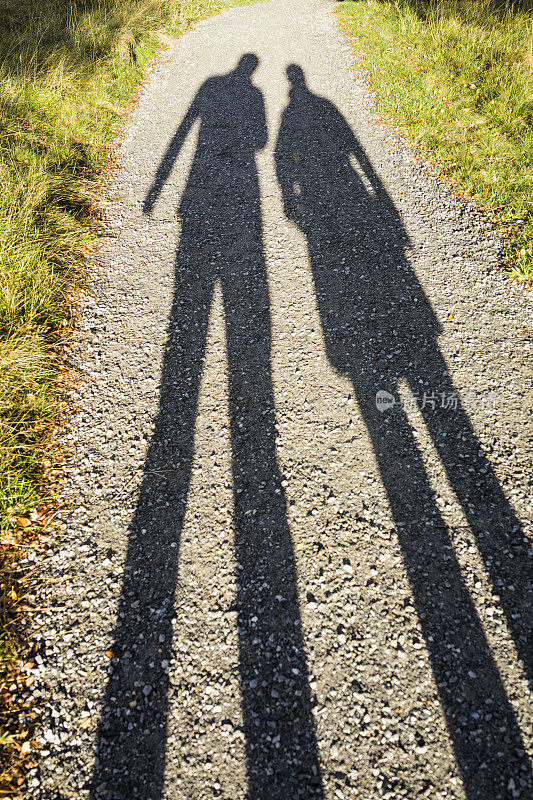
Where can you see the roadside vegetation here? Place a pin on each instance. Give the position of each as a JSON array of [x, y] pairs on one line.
[[68, 74], [456, 77]]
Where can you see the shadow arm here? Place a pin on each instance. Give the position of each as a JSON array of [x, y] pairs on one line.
[[263, 130], [171, 154], [366, 166], [388, 211], [287, 171]]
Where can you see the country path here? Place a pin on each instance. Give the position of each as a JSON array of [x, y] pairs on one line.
[[293, 561]]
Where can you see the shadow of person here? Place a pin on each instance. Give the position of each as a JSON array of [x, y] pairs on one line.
[[378, 329], [220, 243]]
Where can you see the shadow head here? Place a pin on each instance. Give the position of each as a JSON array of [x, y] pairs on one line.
[[247, 65], [296, 76]]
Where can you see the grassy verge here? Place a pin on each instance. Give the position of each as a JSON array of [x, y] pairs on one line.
[[456, 76], [68, 73]]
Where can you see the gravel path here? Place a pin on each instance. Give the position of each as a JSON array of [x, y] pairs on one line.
[[268, 584]]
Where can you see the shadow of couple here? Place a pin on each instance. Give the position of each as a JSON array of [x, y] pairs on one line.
[[378, 329]]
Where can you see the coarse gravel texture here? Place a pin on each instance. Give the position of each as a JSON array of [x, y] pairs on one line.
[[264, 585]]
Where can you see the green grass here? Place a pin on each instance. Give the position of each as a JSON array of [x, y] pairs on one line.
[[456, 77], [68, 73]]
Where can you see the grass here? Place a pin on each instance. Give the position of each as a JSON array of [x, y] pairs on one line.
[[68, 74], [456, 77]]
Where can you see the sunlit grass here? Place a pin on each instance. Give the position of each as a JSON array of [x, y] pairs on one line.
[[456, 76]]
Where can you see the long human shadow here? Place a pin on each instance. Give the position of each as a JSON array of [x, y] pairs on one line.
[[378, 329], [220, 243]]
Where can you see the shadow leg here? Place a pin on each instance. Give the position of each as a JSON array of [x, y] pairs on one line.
[[501, 541], [130, 757], [480, 719], [282, 758]]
